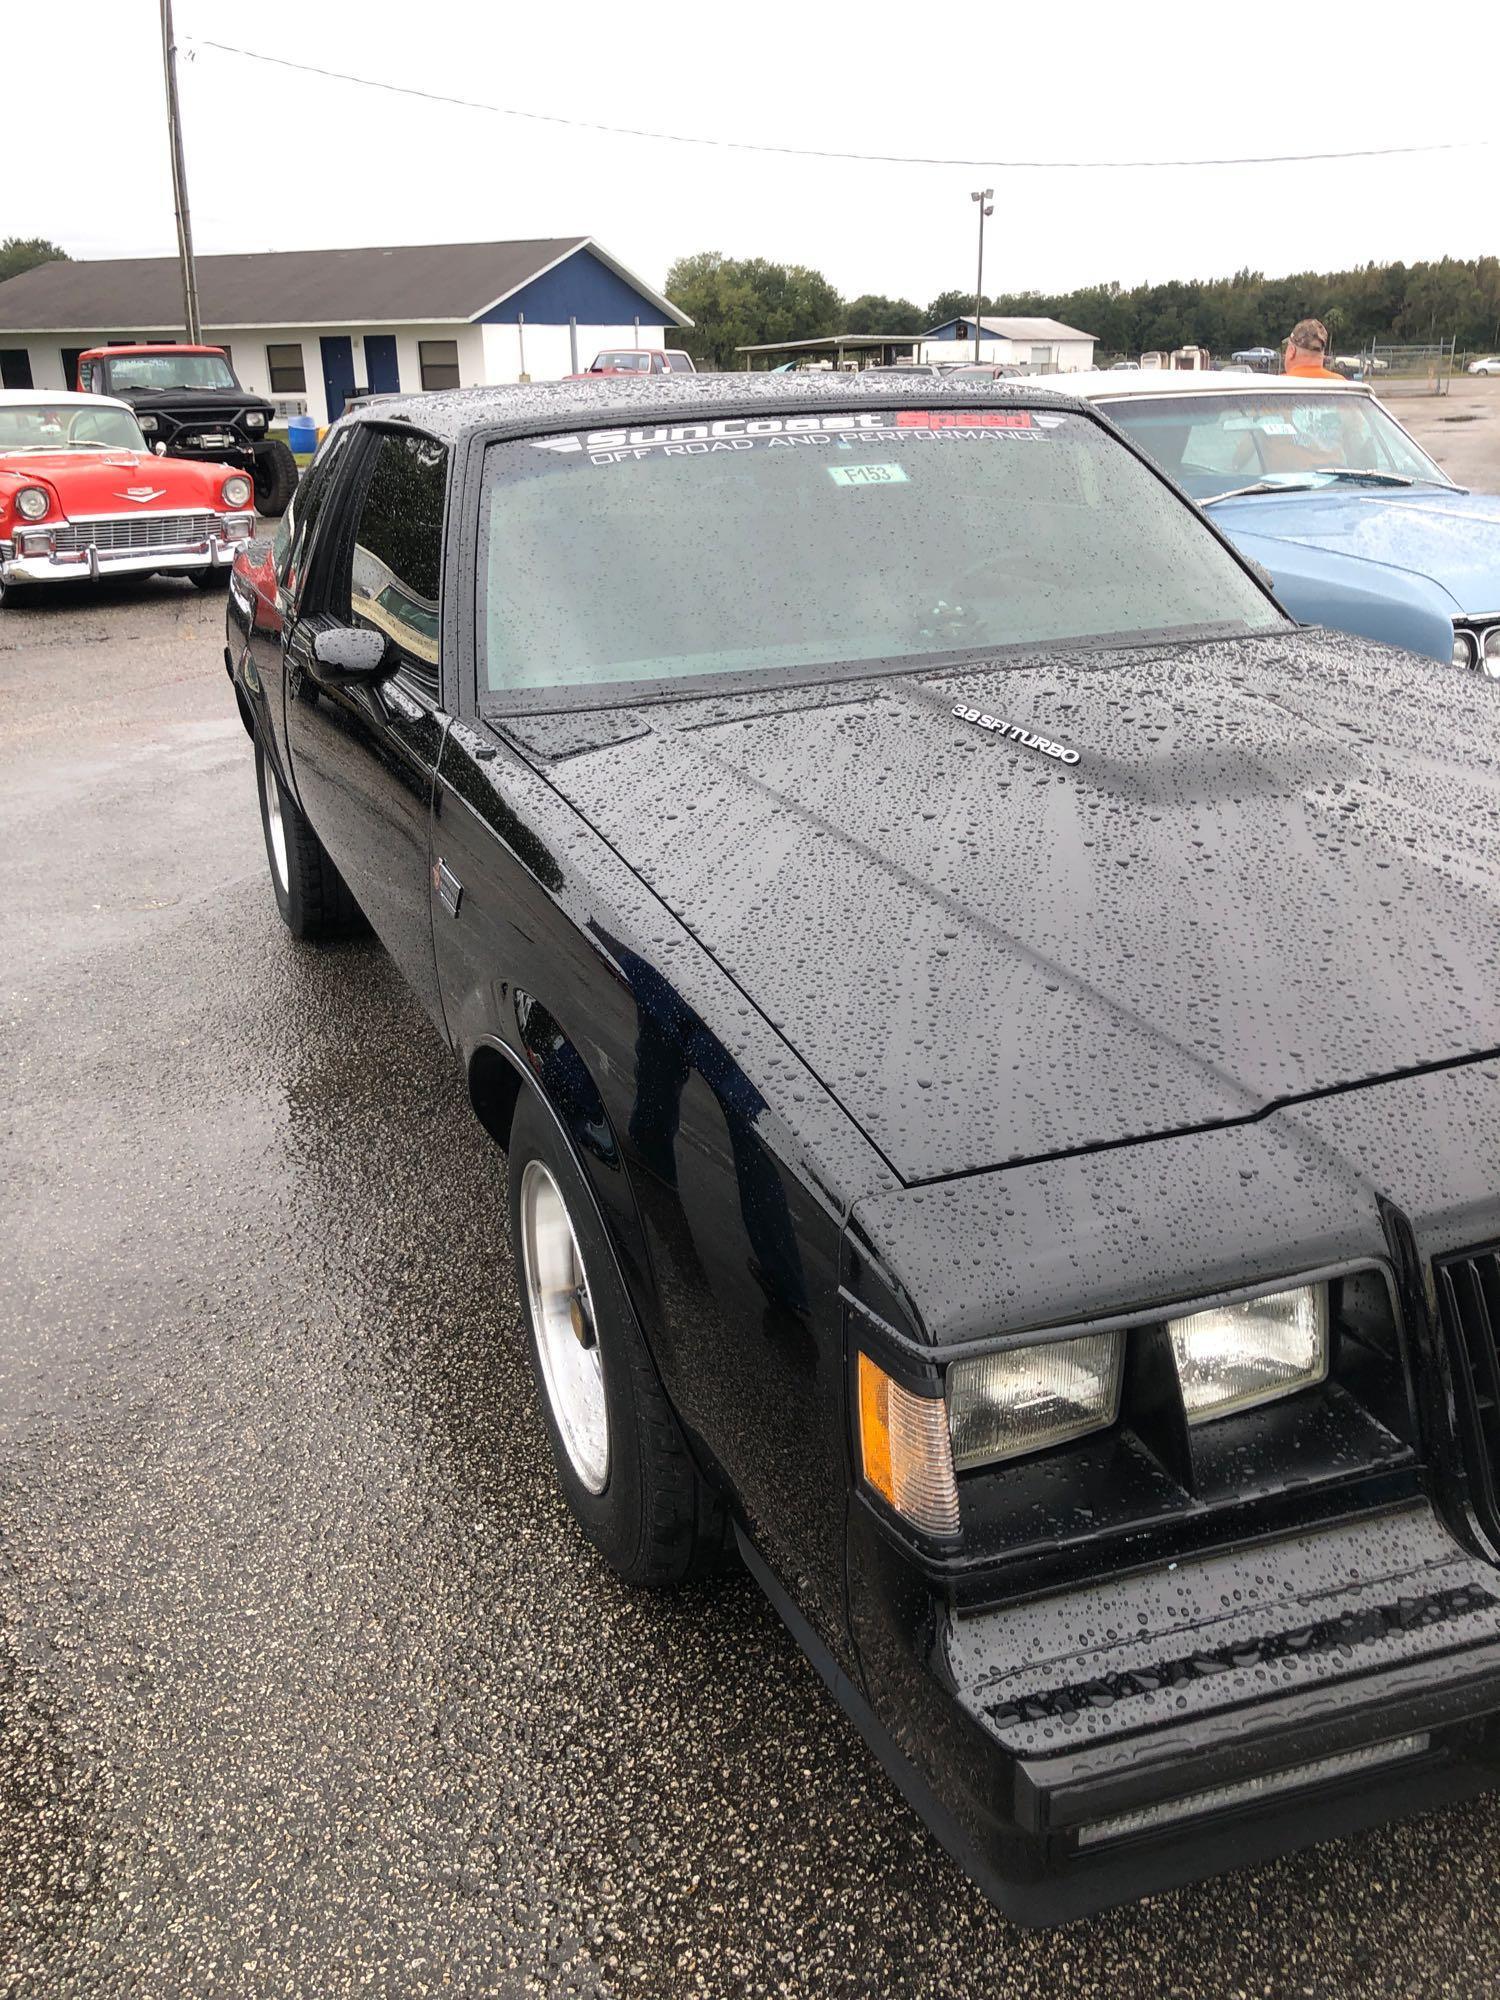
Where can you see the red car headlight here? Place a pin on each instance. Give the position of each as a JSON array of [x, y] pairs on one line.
[[236, 490], [32, 503]]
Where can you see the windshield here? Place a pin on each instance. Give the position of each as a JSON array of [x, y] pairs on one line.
[[630, 362], [67, 427], [168, 371], [749, 546], [1215, 444]]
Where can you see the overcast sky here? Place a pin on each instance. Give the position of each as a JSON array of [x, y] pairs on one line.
[[280, 161]]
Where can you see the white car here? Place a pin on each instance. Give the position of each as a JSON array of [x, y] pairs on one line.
[[1487, 364]]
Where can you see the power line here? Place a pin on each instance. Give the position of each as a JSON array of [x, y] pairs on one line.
[[820, 152]]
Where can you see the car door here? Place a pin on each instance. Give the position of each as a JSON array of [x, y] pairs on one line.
[[364, 754]]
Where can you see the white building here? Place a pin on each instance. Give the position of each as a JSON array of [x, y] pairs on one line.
[[309, 327], [1044, 346]]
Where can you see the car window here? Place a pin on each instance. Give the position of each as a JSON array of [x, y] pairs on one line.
[[398, 551], [756, 545], [67, 427], [297, 528], [1212, 444], [679, 363], [168, 371]]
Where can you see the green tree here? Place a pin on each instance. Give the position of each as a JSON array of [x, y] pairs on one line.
[[21, 253], [873, 313], [742, 302], [950, 305]]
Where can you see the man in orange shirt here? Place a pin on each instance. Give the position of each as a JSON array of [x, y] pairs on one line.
[[1303, 354]]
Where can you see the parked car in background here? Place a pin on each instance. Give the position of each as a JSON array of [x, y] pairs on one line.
[[994, 1035], [1360, 529], [189, 404], [895, 371], [1487, 364], [639, 361], [81, 499], [1262, 360], [984, 371]]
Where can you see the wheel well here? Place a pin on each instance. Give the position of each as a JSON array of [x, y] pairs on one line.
[[244, 708], [494, 1087]]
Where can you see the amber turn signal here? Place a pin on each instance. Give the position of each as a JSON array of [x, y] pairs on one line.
[[904, 1451]]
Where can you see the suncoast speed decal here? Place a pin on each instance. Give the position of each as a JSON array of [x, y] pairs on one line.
[[1014, 733], [695, 440]]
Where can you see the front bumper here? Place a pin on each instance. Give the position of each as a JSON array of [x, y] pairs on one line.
[[1091, 1746], [31, 557]]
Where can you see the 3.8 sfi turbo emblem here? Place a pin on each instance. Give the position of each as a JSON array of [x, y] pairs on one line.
[[1015, 733]]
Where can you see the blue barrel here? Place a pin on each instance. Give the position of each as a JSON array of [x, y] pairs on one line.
[[302, 434]]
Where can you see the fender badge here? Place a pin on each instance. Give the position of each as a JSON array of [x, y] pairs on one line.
[[1015, 733]]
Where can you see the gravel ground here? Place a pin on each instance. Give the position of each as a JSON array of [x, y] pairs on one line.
[[307, 1687]]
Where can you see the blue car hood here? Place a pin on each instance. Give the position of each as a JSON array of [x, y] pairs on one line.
[[1451, 537]]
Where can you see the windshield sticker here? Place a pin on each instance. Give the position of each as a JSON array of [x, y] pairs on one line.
[[866, 475], [696, 440], [1014, 733]]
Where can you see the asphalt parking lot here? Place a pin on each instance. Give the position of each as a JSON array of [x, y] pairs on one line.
[[307, 1686]]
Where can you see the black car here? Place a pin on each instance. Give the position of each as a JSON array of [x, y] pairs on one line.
[[997, 1039], [189, 403]]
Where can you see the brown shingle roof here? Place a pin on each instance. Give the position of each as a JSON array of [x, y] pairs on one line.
[[424, 281]]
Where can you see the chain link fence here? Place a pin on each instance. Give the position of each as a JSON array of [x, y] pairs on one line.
[[1413, 368]]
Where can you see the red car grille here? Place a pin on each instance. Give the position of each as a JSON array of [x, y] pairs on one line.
[[138, 531]]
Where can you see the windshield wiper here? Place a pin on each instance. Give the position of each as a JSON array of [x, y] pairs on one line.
[[1260, 486], [1385, 478]]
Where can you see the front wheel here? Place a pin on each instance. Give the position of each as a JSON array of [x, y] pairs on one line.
[[275, 477], [311, 895], [16, 596], [621, 1459], [211, 579]]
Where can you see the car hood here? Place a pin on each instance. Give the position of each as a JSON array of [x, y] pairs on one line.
[[1273, 871], [117, 482], [1450, 536]]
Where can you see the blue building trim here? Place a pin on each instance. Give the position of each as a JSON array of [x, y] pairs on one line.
[[960, 329], [581, 288]]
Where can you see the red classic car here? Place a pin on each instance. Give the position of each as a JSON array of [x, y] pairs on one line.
[[81, 497]]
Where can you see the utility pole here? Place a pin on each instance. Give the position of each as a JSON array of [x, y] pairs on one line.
[[179, 181], [985, 197]]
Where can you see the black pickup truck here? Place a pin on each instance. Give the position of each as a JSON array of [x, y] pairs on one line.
[[189, 404], [997, 1040]]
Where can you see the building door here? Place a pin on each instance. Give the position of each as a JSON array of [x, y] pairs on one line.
[[381, 370], [338, 371], [71, 356], [15, 368]]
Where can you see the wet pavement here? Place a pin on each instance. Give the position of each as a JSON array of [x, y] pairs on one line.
[[307, 1686]]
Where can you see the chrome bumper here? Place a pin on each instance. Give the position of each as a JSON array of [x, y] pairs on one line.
[[31, 557]]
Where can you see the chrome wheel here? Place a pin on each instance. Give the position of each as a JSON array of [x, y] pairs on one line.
[[270, 794], [562, 1317]]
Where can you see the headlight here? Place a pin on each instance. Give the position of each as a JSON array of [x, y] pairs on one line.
[[32, 503], [236, 491], [1027, 1398], [1489, 648], [1235, 1357], [148, 425], [1465, 649], [255, 420]]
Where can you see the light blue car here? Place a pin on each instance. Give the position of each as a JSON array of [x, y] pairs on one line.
[[1318, 483]]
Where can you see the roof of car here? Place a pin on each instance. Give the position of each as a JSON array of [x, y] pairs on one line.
[[129, 347], [53, 398], [1090, 385], [601, 401]]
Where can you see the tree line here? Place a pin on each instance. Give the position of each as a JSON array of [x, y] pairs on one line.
[[751, 301]]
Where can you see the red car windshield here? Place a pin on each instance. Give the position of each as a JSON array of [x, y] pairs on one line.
[[627, 362], [44, 426], [167, 371]]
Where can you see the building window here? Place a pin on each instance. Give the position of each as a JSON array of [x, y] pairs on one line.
[[15, 368], [71, 356], [288, 376], [439, 359]]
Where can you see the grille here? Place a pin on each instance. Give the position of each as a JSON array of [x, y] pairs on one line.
[[1469, 1296], [138, 531]]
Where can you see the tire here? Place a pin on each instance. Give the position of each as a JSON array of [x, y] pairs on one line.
[[211, 579], [275, 477], [310, 892], [636, 1493], [17, 596]]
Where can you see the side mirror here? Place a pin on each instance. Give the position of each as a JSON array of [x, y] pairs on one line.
[[349, 653]]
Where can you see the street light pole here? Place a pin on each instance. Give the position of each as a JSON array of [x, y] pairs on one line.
[[179, 182], [985, 197]]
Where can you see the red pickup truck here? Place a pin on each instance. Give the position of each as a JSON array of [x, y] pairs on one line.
[[638, 361]]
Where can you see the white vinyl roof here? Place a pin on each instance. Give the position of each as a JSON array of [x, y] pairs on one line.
[[52, 399]]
